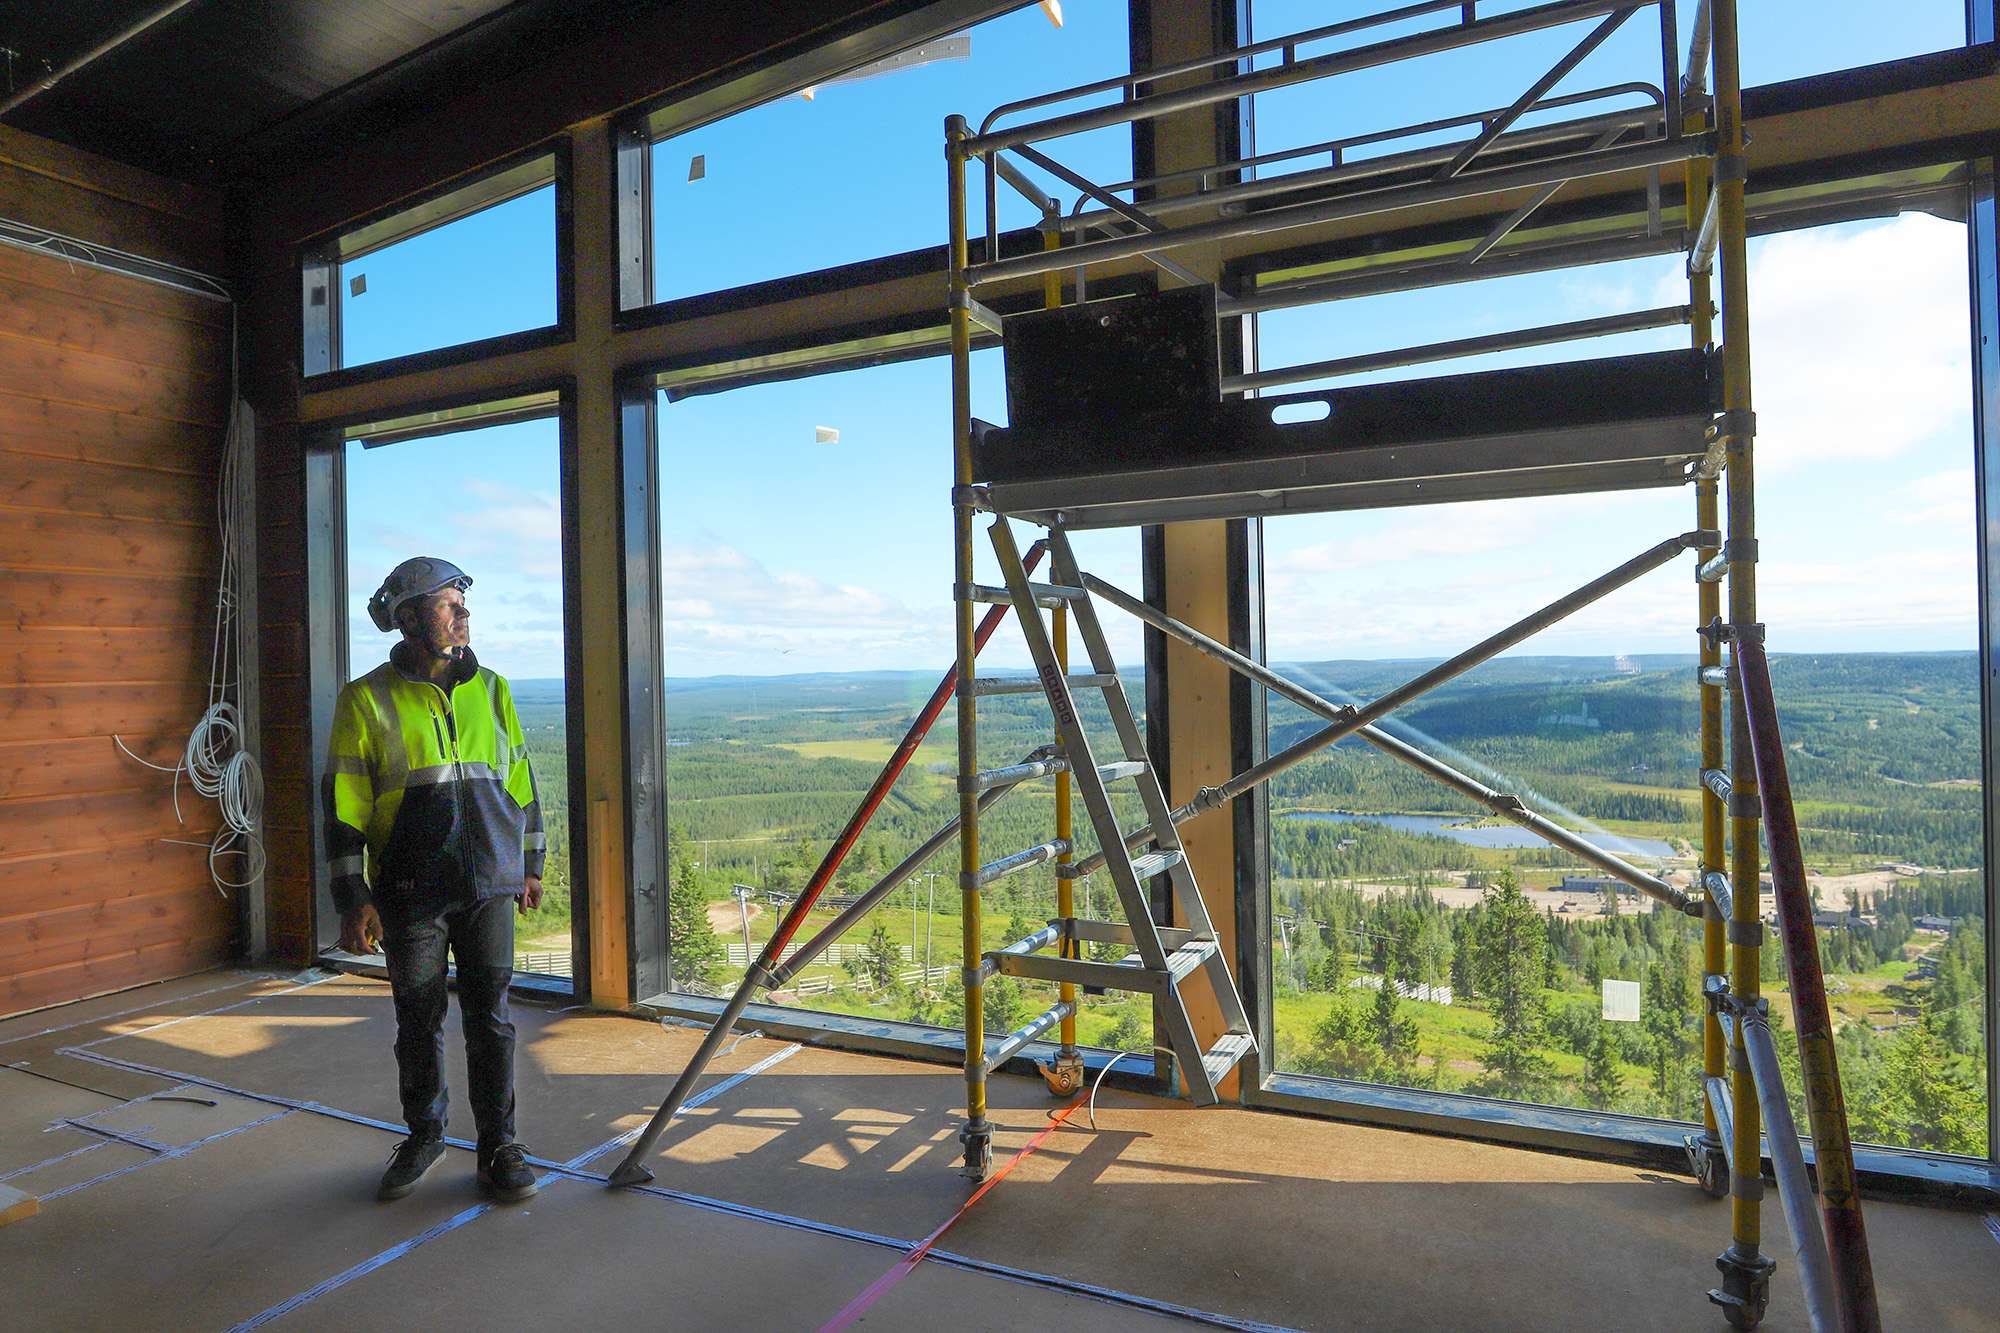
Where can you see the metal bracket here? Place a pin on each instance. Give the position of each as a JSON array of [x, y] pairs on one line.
[[1746, 934], [1734, 425], [972, 497], [1732, 167], [981, 315], [1745, 805], [1740, 550], [1701, 537]]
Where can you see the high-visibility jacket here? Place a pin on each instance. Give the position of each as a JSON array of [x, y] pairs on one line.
[[428, 788]]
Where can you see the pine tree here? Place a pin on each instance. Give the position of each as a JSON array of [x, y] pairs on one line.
[[697, 954], [1001, 1003], [1509, 967], [1602, 1079], [879, 965], [1921, 1102]]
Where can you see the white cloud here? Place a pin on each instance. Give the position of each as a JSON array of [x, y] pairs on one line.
[[1942, 502], [1859, 341]]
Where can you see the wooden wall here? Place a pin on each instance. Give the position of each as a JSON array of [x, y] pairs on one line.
[[112, 395]]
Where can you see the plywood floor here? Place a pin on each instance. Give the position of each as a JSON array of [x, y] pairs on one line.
[[207, 1151]]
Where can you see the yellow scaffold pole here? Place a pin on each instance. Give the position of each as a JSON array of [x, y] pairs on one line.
[[1745, 1271], [977, 1136]]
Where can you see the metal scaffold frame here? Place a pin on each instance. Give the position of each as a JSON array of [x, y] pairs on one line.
[[1685, 126], [1681, 124]]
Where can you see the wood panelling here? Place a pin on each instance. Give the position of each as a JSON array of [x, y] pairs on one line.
[[112, 393], [80, 543], [111, 971], [47, 711], [46, 428], [56, 881], [106, 599], [102, 490], [33, 369]]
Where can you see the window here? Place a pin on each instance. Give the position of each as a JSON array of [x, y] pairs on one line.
[[1422, 943], [852, 168], [487, 500], [807, 617], [473, 264]]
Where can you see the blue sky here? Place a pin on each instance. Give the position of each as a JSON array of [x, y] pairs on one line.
[[787, 555]]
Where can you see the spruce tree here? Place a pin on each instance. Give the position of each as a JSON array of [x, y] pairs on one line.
[[697, 954], [1509, 968], [1602, 1080]]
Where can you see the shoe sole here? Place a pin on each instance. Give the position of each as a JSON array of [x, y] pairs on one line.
[[398, 1191], [509, 1196]]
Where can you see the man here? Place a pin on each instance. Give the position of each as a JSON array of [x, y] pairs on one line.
[[428, 783]]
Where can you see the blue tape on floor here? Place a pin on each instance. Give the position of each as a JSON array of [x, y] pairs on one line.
[[362, 1269], [965, 1263]]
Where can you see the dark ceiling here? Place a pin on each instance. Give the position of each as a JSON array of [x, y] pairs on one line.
[[228, 90]]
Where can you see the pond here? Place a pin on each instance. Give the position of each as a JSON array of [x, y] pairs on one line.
[[1503, 835]]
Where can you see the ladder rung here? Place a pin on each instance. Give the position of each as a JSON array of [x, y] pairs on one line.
[[1224, 1056], [1182, 962], [1129, 768], [1116, 932], [1007, 777], [1152, 863], [1049, 596], [1034, 856], [985, 685], [1128, 975]]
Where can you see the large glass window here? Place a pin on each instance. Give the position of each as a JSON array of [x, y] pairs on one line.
[[474, 264], [807, 617], [486, 500], [1422, 944], [853, 167]]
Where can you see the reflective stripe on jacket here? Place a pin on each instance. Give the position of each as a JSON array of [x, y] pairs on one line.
[[428, 788]]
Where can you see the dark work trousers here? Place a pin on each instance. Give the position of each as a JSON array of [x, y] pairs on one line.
[[480, 938]]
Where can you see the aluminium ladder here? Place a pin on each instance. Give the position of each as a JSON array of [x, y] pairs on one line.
[[1163, 958]]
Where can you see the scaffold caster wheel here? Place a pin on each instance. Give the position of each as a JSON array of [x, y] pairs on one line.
[[1064, 1077], [1708, 1165], [1746, 1288], [978, 1143]]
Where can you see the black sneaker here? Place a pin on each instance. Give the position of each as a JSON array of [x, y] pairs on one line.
[[413, 1158], [504, 1170]]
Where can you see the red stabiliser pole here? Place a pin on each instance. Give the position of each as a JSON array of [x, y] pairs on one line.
[[795, 915], [1840, 1201]]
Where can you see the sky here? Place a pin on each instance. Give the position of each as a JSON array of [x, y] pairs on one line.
[[784, 555]]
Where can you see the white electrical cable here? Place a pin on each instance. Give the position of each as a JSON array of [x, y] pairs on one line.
[[215, 760]]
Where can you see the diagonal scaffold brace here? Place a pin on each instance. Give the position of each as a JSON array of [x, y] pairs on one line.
[[766, 973], [1352, 720]]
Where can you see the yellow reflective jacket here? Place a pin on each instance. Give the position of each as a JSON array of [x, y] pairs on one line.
[[428, 788]]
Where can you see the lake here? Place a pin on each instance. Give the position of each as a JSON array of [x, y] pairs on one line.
[[1505, 835]]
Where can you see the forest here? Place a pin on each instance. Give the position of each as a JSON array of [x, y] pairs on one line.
[[1883, 752]]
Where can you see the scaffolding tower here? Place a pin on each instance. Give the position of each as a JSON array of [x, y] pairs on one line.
[[1119, 416]]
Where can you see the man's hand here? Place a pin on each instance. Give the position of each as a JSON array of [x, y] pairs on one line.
[[361, 929], [531, 896]]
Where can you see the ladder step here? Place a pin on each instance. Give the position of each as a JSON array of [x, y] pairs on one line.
[[1116, 932], [1144, 867], [1224, 1056], [1034, 856], [1129, 768], [1182, 962], [1048, 596], [985, 685]]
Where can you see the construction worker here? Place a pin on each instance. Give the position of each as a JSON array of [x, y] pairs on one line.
[[428, 791]]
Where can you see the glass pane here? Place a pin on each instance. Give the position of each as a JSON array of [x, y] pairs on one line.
[[856, 169], [491, 273], [1780, 41], [807, 619], [488, 501], [1419, 944]]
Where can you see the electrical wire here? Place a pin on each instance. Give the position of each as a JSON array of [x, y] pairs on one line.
[[1099, 1081], [215, 758]]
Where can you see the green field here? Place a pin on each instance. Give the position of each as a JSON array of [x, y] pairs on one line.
[[1884, 758]]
